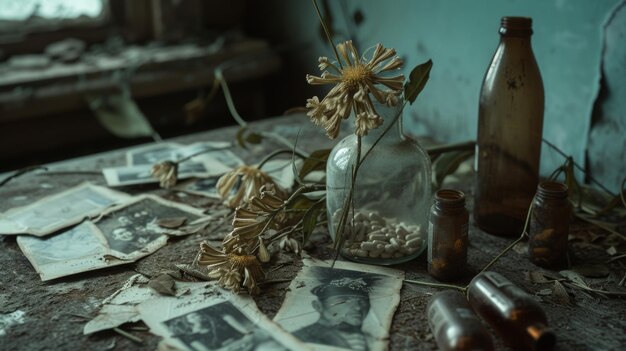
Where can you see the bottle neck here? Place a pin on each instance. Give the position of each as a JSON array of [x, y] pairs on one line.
[[551, 191], [449, 201]]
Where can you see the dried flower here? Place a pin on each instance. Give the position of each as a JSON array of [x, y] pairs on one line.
[[264, 254], [251, 221], [290, 244], [230, 268], [166, 172], [249, 180], [353, 84]]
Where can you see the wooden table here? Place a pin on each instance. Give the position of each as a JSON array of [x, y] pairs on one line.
[[53, 310]]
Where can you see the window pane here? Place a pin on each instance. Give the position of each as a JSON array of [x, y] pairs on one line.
[[18, 10]]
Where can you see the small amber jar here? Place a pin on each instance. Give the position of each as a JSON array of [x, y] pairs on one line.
[[515, 315], [447, 235], [549, 225], [455, 325]]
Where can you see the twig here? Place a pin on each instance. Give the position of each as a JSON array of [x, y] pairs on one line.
[[580, 168], [616, 258], [600, 225], [128, 335], [279, 152], [436, 285], [597, 291], [524, 233]]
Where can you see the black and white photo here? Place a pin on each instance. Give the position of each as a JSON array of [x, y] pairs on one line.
[[215, 320], [340, 308]]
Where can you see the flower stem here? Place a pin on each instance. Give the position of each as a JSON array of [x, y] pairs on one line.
[[186, 158], [330, 39], [279, 152]]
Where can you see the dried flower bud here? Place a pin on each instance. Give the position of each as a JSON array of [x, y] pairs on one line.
[[264, 255], [166, 172]]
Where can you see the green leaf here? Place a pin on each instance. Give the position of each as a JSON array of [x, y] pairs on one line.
[[417, 80], [448, 163], [316, 161], [309, 221]]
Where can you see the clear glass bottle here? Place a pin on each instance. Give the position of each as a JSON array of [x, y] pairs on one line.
[[510, 126], [387, 221], [549, 225], [455, 325], [515, 315], [447, 235]]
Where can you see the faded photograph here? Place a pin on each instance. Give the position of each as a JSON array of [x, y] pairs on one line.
[[133, 227], [209, 318], [220, 327], [220, 152], [152, 154], [80, 241], [340, 308], [60, 210]]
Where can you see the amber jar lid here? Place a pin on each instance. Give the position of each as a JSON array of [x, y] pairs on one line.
[[516, 26], [552, 190], [449, 199]]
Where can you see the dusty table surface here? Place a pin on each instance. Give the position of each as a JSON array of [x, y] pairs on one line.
[[56, 311]]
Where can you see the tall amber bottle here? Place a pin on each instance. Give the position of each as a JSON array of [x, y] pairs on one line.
[[515, 315], [510, 126]]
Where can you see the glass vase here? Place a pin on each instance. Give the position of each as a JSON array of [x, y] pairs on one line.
[[387, 217]]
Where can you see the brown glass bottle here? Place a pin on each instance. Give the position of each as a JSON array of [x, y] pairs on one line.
[[455, 325], [549, 225], [515, 315], [510, 126], [447, 235]]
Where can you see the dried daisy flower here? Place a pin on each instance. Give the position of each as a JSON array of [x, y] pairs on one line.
[[249, 180], [354, 81], [166, 172], [233, 270]]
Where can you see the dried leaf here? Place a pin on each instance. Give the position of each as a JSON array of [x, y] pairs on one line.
[[559, 294], [591, 270], [521, 248], [611, 251], [163, 284], [574, 277], [171, 222], [537, 277], [120, 115], [417, 80]]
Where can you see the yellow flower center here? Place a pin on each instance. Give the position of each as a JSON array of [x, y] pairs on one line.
[[353, 75], [241, 261]]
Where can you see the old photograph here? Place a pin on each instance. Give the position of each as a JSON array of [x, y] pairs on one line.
[[221, 152], [59, 211], [132, 175], [153, 153], [349, 306], [215, 320], [121, 235], [133, 226], [201, 186]]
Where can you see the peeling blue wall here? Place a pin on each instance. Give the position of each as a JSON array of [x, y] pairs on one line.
[[461, 37]]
